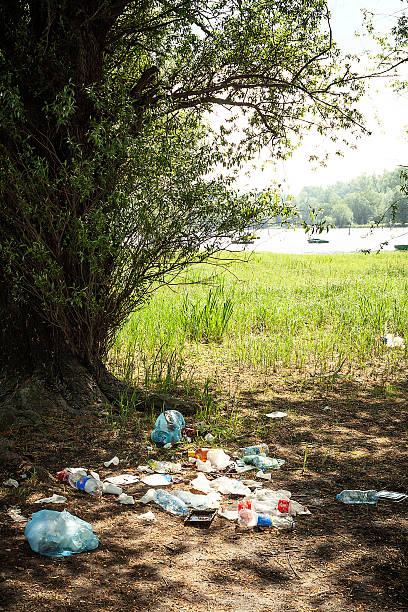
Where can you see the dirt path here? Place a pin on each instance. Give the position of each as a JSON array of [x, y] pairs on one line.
[[338, 558]]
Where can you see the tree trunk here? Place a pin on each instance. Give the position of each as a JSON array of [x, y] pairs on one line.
[[39, 374]]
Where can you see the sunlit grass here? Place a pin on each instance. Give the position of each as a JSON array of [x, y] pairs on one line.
[[317, 313]]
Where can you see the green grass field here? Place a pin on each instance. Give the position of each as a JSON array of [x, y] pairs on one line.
[[317, 314]]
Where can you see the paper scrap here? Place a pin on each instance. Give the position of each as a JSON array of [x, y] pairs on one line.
[[122, 479], [11, 483], [55, 499], [277, 415], [15, 513]]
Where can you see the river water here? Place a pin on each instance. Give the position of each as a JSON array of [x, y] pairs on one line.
[[283, 240]]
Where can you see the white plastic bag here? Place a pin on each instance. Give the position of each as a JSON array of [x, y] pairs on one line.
[[201, 483]]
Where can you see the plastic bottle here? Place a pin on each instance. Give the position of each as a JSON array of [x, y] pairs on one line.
[[247, 517], [350, 496], [164, 467], [199, 453], [279, 522], [165, 500], [259, 449], [108, 487], [263, 463], [86, 483]]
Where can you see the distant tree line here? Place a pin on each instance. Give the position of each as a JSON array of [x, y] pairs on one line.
[[361, 201]]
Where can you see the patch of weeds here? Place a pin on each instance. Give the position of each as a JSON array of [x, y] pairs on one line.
[[166, 372], [206, 321], [379, 390]]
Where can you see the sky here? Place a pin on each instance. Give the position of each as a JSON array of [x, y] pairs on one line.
[[385, 111]]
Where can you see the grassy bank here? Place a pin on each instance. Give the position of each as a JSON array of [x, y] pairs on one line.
[[317, 315]]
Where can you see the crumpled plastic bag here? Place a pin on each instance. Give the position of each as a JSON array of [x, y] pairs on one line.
[[167, 428], [199, 502], [59, 534], [230, 486]]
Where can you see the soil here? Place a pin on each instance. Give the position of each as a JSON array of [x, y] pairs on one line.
[[338, 558]]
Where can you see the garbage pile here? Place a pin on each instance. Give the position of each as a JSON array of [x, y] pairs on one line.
[[216, 486]]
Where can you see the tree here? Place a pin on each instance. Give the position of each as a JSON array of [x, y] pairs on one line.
[[107, 182], [341, 214]]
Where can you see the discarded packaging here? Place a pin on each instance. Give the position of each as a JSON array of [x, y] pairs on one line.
[[145, 469], [200, 518], [259, 449], [201, 483], [247, 517], [279, 522], [157, 480], [11, 483], [15, 513], [277, 415], [392, 496], [64, 474], [204, 466], [227, 513], [59, 534], [230, 486], [199, 453], [218, 458], [113, 461], [198, 502], [392, 341], [168, 427], [240, 469], [164, 467], [94, 475], [264, 475], [149, 517], [122, 479], [353, 496], [209, 438], [263, 463], [165, 500], [55, 499], [87, 484], [126, 499], [108, 487], [277, 503]]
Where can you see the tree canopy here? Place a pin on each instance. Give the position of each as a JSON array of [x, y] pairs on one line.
[[363, 200], [115, 175]]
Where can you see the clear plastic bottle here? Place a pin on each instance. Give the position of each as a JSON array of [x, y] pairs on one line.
[[259, 449], [263, 463], [247, 517], [86, 483], [165, 500], [354, 496]]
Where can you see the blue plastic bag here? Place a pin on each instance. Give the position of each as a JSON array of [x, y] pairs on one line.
[[168, 427], [59, 534]]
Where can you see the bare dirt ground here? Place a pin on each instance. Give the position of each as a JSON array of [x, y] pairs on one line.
[[338, 558]]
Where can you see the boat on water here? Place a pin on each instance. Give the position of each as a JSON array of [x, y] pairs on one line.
[[317, 241], [401, 247]]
